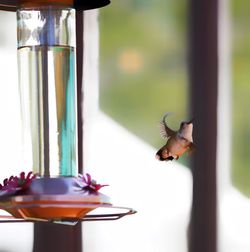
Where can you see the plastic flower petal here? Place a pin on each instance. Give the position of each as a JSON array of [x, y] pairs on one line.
[[90, 184], [15, 183], [24, 182]]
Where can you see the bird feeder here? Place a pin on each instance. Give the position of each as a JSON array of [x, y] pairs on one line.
[[46, 46]]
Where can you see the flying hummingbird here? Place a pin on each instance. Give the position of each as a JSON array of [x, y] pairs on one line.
[[178, 142]]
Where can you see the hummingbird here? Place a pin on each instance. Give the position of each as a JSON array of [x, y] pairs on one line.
[[178, 142]]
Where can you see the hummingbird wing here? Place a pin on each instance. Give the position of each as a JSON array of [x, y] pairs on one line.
[[165, 131]]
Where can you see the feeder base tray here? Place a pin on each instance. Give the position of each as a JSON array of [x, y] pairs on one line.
[[58, 200], [101, 212]]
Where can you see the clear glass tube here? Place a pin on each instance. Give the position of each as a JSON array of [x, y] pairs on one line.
[[46, 62]]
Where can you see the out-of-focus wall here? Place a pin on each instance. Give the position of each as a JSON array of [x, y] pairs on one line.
[[13, 237]]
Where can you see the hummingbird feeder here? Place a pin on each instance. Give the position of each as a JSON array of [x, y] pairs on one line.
[[53, 191]]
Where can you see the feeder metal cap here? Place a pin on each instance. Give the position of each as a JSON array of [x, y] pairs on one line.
[[12, 5]]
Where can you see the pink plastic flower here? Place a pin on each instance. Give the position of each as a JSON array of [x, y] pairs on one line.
[[90, 184], [15, 183]]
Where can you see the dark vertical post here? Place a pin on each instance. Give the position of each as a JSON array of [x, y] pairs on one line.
[[204, 84], [54, 237]]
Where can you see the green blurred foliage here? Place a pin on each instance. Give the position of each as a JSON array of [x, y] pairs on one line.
[[155, 33], [241, 94], [143, 71]]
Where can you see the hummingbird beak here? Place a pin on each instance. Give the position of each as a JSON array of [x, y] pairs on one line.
[[191, 121]]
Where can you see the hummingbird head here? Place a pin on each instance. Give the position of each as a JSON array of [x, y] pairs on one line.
[[186, 130]]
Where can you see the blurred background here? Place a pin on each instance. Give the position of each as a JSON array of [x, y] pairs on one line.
[[143, 73], [143, 70], [240, 95]]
